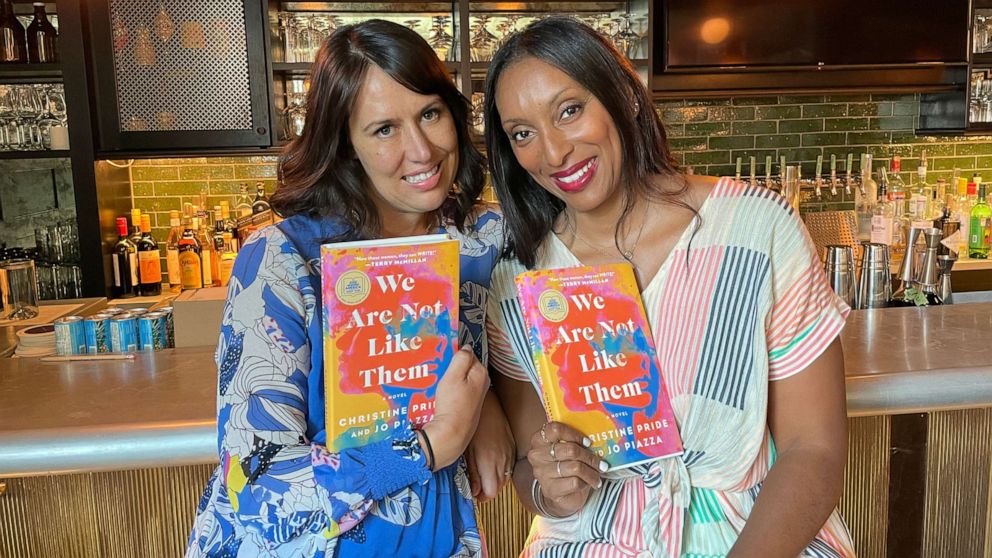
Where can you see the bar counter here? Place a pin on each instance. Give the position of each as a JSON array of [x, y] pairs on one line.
[[115, 443], [159, 410]]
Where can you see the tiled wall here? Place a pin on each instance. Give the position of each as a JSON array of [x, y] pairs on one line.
[[161, 185], [709, 134]]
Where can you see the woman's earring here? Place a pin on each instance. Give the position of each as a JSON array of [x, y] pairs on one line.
[[637, 107]]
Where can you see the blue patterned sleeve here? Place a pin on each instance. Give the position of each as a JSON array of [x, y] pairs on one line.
[[279, 484]]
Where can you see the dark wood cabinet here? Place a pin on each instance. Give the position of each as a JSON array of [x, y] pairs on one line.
[[174, 75]]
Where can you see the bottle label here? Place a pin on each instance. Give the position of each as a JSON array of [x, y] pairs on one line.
[[151, 267], [881, 229], [189, 268], [117, 271], [132, 259], [172, 266], [208, 278], [226, 267]]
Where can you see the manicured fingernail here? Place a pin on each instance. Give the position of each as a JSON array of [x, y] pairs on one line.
[[604, 466], [600, 484], [586, 442], [466, 348]]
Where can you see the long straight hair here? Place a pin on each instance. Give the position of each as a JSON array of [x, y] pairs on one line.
[[594, 63], [318, 171]]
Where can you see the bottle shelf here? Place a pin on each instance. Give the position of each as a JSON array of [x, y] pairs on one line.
[[31, 73], [304, 68], [46, 154]]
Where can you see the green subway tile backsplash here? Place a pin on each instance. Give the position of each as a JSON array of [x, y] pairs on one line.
[[804, 127]]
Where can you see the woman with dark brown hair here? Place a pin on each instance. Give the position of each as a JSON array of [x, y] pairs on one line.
[[743, 320], [385, 152]]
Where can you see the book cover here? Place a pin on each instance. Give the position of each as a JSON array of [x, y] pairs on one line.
[[390, 312], [596, 361]]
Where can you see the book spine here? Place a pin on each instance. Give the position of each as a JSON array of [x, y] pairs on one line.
[[541, 364]]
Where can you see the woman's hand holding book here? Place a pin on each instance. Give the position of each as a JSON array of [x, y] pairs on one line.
[[457, 404], [564, 467]]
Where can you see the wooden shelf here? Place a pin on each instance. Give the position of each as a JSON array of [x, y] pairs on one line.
[[46, 154], [968, 264], [30, 73], [292, 67]]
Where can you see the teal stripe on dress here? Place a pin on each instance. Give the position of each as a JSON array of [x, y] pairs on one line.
[[704, 507]]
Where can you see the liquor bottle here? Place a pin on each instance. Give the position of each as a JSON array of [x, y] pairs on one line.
[[125, 261], [206, 252], [963, 215], [882, 215], [922, 192], [866, 198], [242, 205], [218, 245], [260, 203], [13, 40], [900, 220], [898, 192], [149, 261], [230, 225], [979, 228], [42, 37], [189, 258], [227, 260], [135, 226], [172, 253]]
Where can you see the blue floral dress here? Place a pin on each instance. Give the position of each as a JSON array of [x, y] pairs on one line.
[[277, 491]]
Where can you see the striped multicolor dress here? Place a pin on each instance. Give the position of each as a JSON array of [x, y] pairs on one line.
[[740, 302]]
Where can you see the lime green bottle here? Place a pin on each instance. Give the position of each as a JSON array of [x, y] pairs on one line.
[[979, 227]]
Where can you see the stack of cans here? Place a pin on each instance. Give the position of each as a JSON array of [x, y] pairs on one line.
[[115, 330]]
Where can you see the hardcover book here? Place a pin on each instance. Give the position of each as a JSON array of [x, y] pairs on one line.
[[390, 312], [596, 361]]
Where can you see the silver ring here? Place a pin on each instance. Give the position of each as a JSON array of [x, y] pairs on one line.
[[558, 466], [508, 472], [543, 435], [554, 457]]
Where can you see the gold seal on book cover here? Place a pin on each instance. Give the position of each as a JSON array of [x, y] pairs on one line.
[[353, 287], [552, 305]]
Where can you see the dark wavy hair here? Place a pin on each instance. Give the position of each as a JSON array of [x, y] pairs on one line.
[[593, 62], [318, 171]]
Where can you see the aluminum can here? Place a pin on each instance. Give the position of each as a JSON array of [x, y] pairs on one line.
[[70, 339], [95, 331], [123, 334], [113, 310], [138, 312], [160, 341], [151, 336], [171, 330]]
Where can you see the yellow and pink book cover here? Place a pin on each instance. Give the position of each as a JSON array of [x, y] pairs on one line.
[[390, 311], [596, 361]]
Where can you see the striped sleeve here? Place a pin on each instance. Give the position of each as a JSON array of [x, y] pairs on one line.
[[508, 347], [806, 316]]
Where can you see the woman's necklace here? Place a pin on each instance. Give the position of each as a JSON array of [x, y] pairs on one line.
[[627, 254]]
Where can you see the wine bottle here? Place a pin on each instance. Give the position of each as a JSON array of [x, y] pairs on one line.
[[206, 251], [189, 258], [42, 37], [242, 205], [125, 262], [149, 261], [13, 40], [172, 253], [260, 203]]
